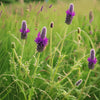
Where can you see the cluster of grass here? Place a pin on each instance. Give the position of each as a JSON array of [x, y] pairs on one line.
[[38, 76]]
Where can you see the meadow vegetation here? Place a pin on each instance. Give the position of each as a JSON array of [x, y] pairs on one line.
[[26, 74]]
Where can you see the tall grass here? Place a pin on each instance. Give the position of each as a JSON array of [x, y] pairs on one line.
[[52, 74]]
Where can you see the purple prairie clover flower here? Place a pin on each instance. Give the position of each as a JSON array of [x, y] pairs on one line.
[[24, 30], [41, 40], [50, 6], [69, 14], [41, 8], [91, 17], [92, 59]]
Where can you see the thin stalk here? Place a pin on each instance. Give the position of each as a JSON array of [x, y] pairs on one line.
[[51, 61], [63, 40], [87, 78], [23, 48], [36, 67], [88, 38], [14, 61], [85, 83], [51, 58], [20, 62], [60, 59]]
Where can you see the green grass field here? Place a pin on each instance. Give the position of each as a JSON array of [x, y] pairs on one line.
[[26, 74]]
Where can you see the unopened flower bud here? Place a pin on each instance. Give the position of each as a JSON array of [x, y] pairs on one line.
[[52, 25], [13, 45], [79, 30]]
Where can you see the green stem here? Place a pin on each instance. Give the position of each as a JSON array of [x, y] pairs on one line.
[[51, 59], [36, 67], [88, 38], [60, 59], [20, 63], [23, 48], [85, 83], [87, 78], [14, 61], [63, 40]]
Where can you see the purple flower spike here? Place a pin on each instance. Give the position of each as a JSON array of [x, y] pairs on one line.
[[41, 8], [41, 40], [24, 30], [91, 17], [50, 6], [70, 13], [43, 33], [92, 60]]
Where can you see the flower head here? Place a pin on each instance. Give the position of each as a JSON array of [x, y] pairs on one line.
[[91, 17], [52, 24], [50, 6], [41, 40], [70, 13], [41, 8], [92, 59], [24, 30]]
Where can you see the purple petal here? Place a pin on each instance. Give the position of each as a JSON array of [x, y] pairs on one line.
[[71, 13], [27, 30], [20, 30], [38, 34], [92, 61]]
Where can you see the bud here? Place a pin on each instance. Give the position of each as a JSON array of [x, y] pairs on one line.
[[79, 37], [59, 78], [52, 25], [78, 82], [13, 45], [79, 30]]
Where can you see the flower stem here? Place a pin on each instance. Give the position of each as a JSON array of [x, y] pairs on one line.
[[14, 61], [85, 83], [37, 62], [51, 61], [63, 40], [60, 58], [23, 48]]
